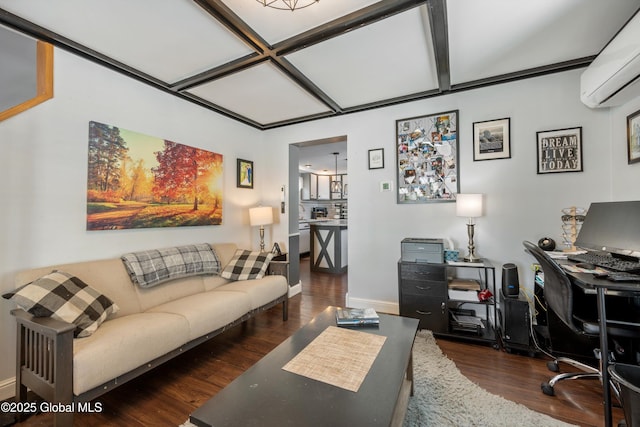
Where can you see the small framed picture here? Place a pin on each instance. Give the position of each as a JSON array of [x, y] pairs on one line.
[[560, 150], [245, 174], [492, 140], [633, 137], [376, 158]]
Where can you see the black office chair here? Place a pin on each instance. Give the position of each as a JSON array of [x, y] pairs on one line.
[[558, 295]]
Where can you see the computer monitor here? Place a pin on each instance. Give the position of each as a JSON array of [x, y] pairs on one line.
[[612, 227]]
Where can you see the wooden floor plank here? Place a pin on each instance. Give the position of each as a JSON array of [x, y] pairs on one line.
[[168, 394]]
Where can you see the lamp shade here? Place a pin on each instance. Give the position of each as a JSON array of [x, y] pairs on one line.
[[262, 215], [469, 205]]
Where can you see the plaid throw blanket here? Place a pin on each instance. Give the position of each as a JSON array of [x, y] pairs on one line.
[[150, 268]]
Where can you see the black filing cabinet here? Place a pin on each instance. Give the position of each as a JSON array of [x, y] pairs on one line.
[[423, 294]]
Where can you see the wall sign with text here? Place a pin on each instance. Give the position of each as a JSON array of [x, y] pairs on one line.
[[560, 150]]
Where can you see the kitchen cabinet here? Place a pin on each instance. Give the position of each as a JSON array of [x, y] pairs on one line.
[[305, 238], [313, 186], [345, 186], [318, 187], [324, 190], [305, 182], [309, 187]]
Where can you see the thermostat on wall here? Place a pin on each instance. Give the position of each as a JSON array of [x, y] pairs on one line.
[[386, 186]]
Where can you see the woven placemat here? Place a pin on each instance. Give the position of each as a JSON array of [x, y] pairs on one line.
[[338, 356]]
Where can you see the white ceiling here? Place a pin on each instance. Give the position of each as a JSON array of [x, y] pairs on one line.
[[269, 68], [318, 156]]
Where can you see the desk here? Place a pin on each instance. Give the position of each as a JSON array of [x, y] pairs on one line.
[[601, 288]]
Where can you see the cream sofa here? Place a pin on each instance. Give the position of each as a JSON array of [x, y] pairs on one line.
[[151, 326]]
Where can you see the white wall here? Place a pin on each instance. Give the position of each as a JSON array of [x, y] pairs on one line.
[[520, 204], [625, 180], [43, 170]]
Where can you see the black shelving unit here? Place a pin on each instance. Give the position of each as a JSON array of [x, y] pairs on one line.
[[424, 294]]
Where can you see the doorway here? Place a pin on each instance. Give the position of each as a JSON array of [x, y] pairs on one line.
[[316, 158]]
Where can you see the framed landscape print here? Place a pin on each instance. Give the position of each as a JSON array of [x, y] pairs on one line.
[[427, 158], [492, 140], [140, 181], [560, 150], [245, 174], [633, 137]]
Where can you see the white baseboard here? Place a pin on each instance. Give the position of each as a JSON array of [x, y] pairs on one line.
[[380, 306], [7, 388], [295, 289]]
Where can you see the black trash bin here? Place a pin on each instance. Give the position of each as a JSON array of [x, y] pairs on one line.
[[626, 378]]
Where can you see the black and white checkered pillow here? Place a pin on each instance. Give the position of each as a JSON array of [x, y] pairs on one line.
[[150, 268], [246, 265], [61, 296]]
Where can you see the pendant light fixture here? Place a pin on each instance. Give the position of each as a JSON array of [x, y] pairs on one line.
[[336, 184], [287, 4]]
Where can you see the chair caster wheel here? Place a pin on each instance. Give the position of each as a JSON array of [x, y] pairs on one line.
[[547, 389], [553, 366]]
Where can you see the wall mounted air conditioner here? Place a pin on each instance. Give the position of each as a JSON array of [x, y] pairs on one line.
[[613, 78]]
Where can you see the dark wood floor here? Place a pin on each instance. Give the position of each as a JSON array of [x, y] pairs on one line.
[[167, 395]]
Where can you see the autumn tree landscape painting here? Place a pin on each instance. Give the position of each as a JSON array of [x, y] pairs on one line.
[[139, 181]]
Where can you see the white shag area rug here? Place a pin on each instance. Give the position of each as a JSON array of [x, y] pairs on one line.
[[445, 397]]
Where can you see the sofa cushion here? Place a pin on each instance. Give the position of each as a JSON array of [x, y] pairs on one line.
[[207, 311], [65, 297], [260, 292], [246, 265], [123, 344], [149, 268], [224, 251]]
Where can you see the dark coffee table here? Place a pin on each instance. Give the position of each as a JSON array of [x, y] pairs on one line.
[[267, 395]]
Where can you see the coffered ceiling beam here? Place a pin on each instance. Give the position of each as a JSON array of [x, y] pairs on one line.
[[525, 74], [17, 23], [264, 51], [340, 26], [437, 10], [12, 21], [219, 72], [221, 13]]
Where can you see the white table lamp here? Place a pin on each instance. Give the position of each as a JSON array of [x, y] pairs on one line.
[[261, 216], [470, 206]]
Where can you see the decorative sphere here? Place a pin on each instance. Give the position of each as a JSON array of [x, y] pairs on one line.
[[547, 244]]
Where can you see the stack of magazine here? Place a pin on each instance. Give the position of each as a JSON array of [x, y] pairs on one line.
[[356, 317]]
